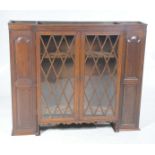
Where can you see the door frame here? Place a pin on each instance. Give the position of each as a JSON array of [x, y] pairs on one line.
[[74, 117], [115, 117]]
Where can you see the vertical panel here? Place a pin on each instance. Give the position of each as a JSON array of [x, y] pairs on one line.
[[132, 80], [24, 101], [22, 52], [23, 82], [129, 108], [132, 56]]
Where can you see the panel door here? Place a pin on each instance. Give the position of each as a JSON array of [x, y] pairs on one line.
[[57, 69], [100, 74]]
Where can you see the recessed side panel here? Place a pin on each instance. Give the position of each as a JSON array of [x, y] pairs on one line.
[[23, 82], [129, 108], [132, 80]]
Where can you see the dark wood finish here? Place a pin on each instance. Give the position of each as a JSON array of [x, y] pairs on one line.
[[132, 80], [23, 81], [76, 72]]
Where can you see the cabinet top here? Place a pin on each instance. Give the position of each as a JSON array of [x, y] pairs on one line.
[[76, 25], [77, 22]]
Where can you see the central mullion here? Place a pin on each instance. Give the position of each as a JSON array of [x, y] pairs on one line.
[[81, 75], [77, 84]]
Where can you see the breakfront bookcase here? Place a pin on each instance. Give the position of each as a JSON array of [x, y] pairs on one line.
[[76, 72]]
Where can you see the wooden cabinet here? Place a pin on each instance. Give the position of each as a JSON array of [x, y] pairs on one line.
[[76, 72]]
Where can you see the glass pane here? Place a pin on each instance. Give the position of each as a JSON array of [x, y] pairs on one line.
[[57, 75], [63, 46], [51, 47], [100, 74]]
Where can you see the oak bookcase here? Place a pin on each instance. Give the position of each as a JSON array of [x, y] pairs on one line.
[[76, 72]]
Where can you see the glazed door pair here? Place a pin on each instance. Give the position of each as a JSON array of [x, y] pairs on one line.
[[78, 76]]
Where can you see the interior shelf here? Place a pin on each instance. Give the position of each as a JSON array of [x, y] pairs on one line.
[[100, 54], [57, 55]]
